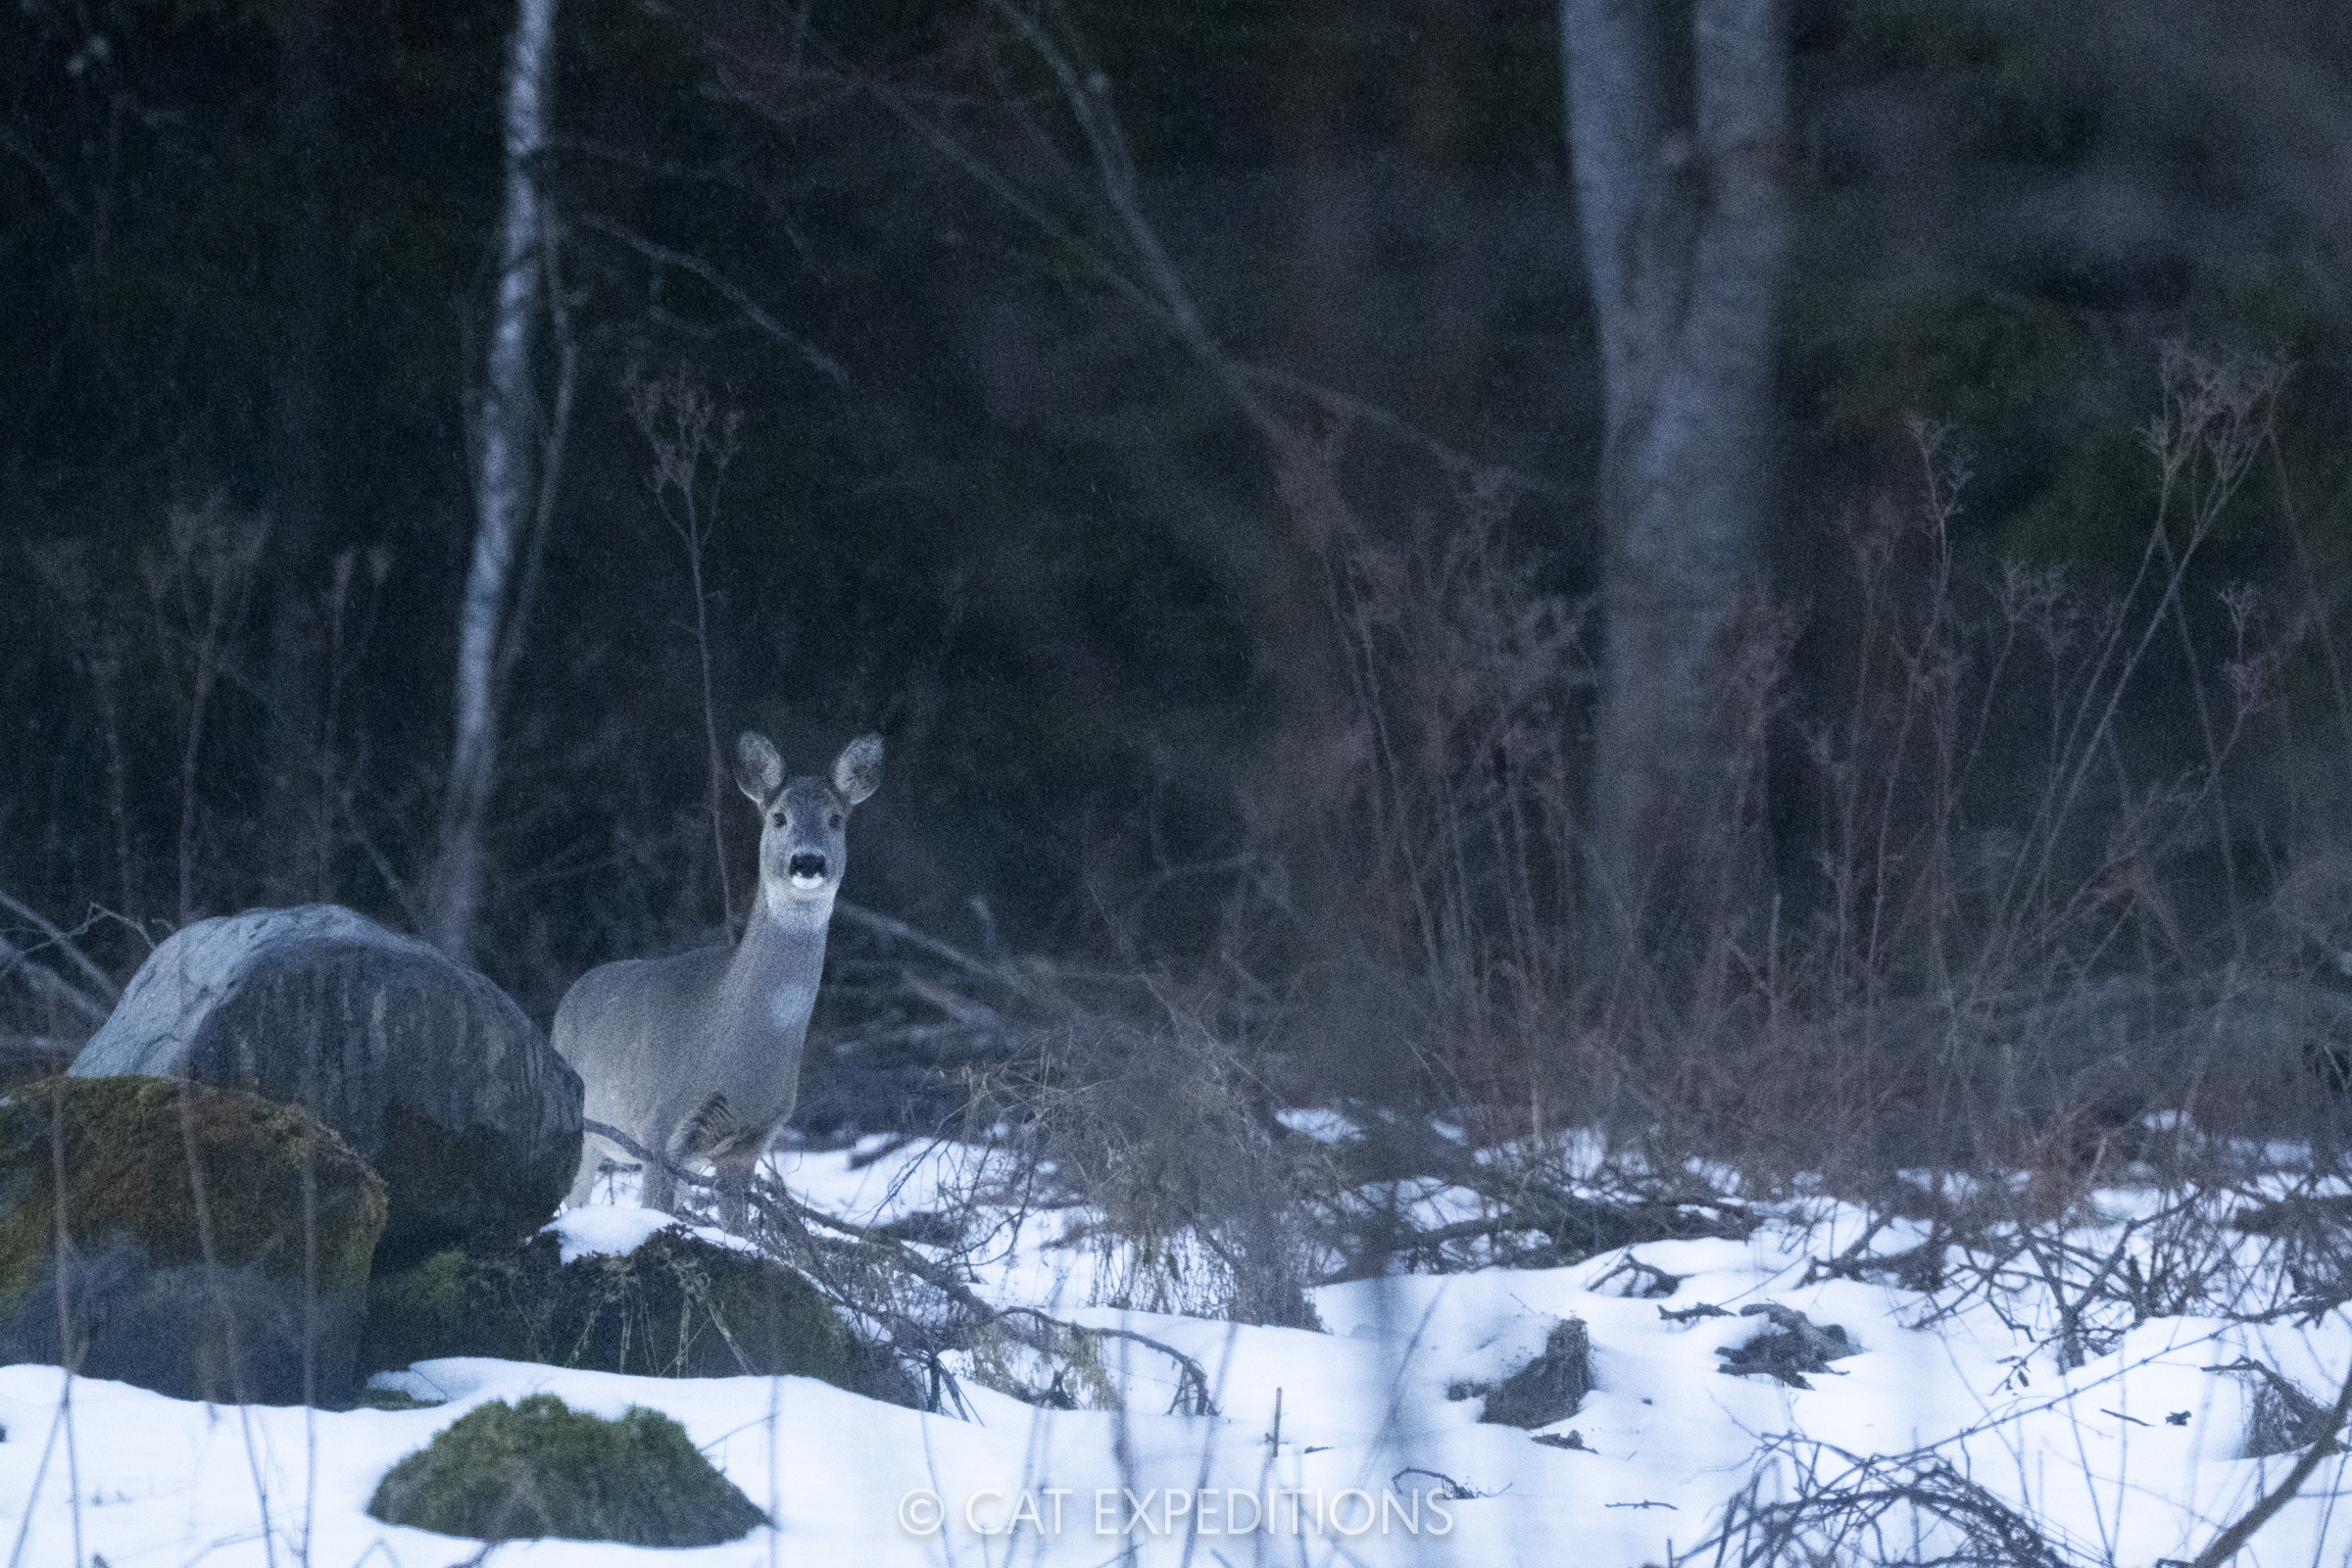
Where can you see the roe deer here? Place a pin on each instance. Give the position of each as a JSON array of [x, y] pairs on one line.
[[698, 1057]]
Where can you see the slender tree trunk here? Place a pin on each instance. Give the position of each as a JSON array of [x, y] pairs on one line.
[[1677, 118], [302, 531], [505, 484]]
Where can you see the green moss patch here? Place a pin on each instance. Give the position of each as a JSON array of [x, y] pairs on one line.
[[210, 1233], [395, 1399], [539, 1468]]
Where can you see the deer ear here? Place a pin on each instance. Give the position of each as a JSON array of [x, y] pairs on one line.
[[857, 771], [758, 769]]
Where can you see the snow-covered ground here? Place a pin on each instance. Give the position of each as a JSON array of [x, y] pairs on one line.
[[2136, 1457]]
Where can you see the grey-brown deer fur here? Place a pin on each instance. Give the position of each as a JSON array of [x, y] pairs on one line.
[[698, 1057]]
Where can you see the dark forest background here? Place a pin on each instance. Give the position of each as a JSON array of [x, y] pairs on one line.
[[963, 483]]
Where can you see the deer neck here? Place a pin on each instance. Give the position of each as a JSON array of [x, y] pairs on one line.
[[772, 979]]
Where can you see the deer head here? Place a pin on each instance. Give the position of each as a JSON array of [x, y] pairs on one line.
[[804, 841]]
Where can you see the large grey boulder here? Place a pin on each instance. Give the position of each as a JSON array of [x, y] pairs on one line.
[[430, 1072]]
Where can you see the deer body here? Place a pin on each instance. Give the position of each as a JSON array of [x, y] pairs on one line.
[[698, 1057]]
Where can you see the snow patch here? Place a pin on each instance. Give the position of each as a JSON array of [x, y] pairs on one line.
[[1323, 1126], [2138, 1454], [612, 1230]]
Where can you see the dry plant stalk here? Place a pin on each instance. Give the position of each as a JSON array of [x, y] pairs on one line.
[[201, 586], [686, 429]]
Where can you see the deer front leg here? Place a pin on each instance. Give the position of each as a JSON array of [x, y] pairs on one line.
[[583, 1184]]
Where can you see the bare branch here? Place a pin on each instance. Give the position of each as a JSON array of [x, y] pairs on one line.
[[2241, 1530], [652, 251], [899, 931], [63, 941], [48, 983]]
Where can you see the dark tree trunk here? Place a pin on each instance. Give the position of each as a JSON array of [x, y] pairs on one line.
[[305, 530], [1677, 113]]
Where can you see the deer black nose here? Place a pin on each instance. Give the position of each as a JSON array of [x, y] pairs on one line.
[[807, 865]]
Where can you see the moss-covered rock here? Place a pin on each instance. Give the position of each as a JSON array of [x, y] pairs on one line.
[[429, 1071], [1548, 1388], [212, 1239], [677, 1306], [522, 1472]]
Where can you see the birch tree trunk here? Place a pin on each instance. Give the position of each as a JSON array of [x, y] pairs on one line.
[[506, 487], [1677, 119]]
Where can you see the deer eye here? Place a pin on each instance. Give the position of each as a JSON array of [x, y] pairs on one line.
[[833, 820], [777, 819]]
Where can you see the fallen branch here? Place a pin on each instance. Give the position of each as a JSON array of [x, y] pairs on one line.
[[1858, 1514], [787, 1212], [1649, 1280], [1192, 1382], [1576, 1227], [1452, 1491], [2234, 1539]]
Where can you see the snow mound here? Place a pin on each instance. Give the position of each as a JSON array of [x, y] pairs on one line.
[[611, 1230]]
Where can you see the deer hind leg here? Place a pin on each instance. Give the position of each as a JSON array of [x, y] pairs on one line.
[[714, 1135], [733, 1171]]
